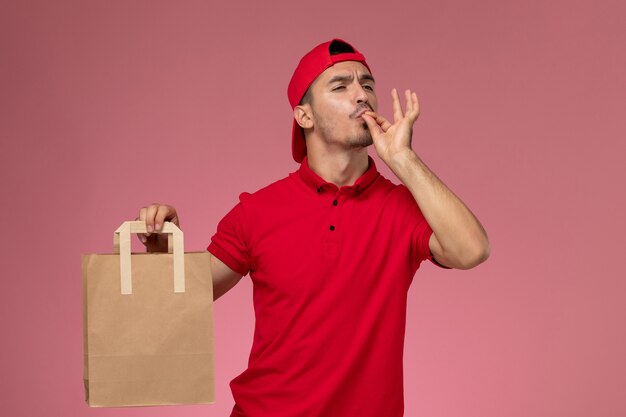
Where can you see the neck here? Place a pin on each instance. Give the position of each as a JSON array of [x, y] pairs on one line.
[[339, 168]]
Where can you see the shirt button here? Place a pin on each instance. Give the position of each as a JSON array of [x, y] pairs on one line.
[[332, 228], [335, 202]]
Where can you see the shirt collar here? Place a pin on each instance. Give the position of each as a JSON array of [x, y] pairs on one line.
[[318, 184]]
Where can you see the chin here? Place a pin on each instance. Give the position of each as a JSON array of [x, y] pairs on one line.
[[362, 141]]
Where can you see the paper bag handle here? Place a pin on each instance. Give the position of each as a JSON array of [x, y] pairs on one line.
[[121, 245]]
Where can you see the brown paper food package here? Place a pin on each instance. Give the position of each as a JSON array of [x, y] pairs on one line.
[[153, 346]]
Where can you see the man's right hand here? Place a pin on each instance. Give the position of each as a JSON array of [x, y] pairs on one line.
[[154, 215]]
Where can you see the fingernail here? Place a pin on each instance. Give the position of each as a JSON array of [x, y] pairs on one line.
[[150, 229], [157, 227], [143, 239]]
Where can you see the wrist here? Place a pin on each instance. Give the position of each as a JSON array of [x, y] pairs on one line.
[[402, 160]]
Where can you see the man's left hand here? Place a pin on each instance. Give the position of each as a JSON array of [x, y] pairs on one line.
[[393, 139]]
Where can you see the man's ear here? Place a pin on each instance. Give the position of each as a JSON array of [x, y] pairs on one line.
[[302, 115]]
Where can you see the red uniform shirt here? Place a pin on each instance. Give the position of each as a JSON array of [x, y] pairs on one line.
[[330, 268]]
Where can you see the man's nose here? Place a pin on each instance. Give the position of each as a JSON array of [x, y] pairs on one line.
[[360, 94]]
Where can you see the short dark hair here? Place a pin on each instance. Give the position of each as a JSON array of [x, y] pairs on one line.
[[336, 47]]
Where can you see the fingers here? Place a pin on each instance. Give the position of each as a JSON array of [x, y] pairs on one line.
[[411, 105], [155, 215], [151, 211], [397, 110], [408, 101], [371, 124], [164, 213], [379, 120]]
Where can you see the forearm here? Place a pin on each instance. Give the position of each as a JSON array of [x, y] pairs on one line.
[[458, 238], [462, 239]]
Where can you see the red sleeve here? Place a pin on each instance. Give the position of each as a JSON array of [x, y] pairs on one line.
[[230, 243], [421, 232], [420, 238]]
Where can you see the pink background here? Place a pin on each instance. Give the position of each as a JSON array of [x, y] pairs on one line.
[[106, 106]]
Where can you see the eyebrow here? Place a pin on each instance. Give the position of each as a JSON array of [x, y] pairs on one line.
[[344, 78]]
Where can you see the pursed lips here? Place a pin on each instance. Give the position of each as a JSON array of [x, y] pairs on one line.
[[359, 112]]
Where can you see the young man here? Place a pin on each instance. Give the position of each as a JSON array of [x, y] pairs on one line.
[[332, 249]]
